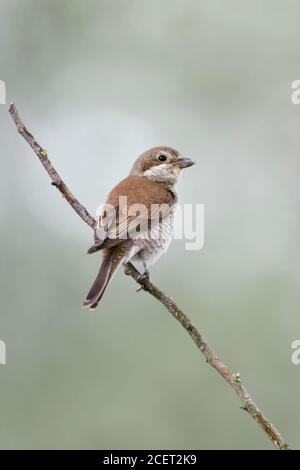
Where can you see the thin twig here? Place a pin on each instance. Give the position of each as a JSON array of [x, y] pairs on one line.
[[42, 155], [233, 379]]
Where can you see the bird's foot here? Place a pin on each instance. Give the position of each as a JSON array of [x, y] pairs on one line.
[[97, 240], [144, 276]]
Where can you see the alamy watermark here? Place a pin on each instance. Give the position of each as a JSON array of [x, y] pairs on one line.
[[295, 356], [2, 92], [2, 352], [154, 221], [295, 96]]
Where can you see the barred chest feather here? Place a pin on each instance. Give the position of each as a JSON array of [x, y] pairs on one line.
[[150, 249]]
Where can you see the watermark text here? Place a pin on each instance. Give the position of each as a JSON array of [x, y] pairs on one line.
[[2, 92], [2, 352]]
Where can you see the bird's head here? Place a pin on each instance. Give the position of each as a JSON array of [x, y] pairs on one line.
[[161, 164]]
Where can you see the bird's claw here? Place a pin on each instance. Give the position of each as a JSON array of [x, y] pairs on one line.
[[144, 276]]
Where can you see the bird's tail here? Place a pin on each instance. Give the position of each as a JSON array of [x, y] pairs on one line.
[[108, 268]]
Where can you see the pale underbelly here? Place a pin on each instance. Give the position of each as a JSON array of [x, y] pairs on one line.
[[149, 249]]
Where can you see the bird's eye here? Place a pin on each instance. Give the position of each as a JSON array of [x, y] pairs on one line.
[[162, 158]]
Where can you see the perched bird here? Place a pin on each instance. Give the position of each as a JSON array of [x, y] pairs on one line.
[[136, 223]]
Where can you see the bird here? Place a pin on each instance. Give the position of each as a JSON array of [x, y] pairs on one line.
[[136, 223]]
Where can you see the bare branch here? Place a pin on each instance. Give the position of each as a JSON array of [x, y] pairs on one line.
[[56, 179], [233, 379]]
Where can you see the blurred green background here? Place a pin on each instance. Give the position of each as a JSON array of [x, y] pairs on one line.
[[98, 82]]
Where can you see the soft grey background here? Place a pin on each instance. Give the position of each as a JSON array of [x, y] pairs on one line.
[[98, 82]]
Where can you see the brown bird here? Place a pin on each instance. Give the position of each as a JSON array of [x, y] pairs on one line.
[[136, 223]]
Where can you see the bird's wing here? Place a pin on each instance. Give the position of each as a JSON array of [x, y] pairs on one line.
[[134, 206]]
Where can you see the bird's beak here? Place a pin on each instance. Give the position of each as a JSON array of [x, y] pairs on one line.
[[185, 163]]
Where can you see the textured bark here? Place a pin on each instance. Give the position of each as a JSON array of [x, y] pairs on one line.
[[233, 379]]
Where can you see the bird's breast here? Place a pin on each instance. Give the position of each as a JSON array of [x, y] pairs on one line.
[[157, 240]]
